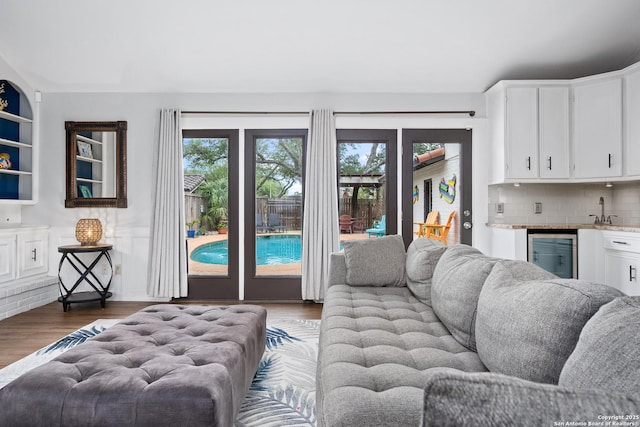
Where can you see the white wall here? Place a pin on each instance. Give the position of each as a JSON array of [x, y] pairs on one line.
[[128, 229]]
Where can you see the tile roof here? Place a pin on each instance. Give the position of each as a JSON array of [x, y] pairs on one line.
[[192, 181]]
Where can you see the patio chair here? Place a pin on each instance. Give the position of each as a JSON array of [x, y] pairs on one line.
[[423, 227], [378, 229], [358, 225], [260, 227], [275, 224], [346, 223], [440, 232]]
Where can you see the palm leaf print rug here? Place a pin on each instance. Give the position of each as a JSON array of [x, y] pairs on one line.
[[283, 391]]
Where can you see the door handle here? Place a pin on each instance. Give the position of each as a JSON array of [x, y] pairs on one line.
[[529, 162], [34, 254], [609, 160], [549, 162], [632, 273]]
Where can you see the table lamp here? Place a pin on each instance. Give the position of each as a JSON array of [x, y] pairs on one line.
[[88, 231]]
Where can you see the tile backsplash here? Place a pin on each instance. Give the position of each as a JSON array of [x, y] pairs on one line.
[[564, 203]]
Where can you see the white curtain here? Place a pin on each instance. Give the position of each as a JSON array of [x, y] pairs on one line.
[[320, 233], [168, 255]]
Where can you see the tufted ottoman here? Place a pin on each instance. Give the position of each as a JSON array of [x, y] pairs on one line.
[[166, 365]]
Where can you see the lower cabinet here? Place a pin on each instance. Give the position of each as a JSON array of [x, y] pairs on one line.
[[621, 263], [7, 258], [23, 252]]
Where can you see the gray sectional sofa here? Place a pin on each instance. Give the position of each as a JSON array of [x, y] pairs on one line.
[[446, 336]]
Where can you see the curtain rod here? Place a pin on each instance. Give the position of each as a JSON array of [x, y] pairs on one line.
[[335, 113]]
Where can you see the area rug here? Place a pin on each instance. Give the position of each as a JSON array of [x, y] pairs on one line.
[[283, 391]]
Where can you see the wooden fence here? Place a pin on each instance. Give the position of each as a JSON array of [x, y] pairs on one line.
[[290, 210]]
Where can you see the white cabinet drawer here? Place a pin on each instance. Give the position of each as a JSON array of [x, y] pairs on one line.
[[620, 241]]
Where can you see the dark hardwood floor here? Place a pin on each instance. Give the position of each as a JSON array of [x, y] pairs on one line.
[[27, 332]]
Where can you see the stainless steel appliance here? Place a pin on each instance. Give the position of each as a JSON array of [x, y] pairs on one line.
[[555, 251]]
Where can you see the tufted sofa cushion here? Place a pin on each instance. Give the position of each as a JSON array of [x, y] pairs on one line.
[[164, 365], [376, 348]]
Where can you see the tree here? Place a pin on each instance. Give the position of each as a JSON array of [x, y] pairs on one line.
[[351, 164], [278, 165]]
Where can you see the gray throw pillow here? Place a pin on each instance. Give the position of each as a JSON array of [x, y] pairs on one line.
[[422, 257], [460, 399], [527, 326], [606, 356], [375, 262], [457, 281]]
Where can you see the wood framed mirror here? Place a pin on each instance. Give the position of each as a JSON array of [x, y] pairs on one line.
[[96, 156]]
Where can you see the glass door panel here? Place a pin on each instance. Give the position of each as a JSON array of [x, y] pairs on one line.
[[210, 197], [278, 201], [274, 165], [366, 184], [437, 184]]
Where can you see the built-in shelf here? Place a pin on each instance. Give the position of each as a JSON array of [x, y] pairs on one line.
[[14, 118], [89, 140], [15, 172], [14, 143], [87, 159], [93, 181]]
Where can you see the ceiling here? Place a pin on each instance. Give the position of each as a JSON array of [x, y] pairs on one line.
[[247, 46]]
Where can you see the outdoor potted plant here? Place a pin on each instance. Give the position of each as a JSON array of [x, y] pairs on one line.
[[222, 225], [191, 232]]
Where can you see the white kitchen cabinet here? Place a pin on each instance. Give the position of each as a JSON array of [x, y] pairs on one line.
[[32, 253], [597, 136], [23, 252], [590, 255], [553, 123], [622, 260], [521, 126], [529, 131], [632, 123]]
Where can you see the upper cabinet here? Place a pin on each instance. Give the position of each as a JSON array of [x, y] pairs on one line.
[[529, 130], [553, 107], [597, 117], [632, 123], [582, 130], [16, 146]]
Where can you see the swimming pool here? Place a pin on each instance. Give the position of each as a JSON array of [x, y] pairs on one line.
[[270, 250]]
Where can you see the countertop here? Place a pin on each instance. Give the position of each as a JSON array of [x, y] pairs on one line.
[[607, 227]]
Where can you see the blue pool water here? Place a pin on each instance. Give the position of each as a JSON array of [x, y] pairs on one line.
[[270, 250]]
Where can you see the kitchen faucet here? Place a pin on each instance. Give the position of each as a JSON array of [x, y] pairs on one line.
[[602, 219], [601, 203]]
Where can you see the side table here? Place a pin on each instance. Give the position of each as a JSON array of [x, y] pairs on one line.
[[101, 290]]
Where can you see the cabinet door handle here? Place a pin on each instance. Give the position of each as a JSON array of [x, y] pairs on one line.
[[620, 243], [549, 160], [529, 162], [609, 160], [632, 273], [34, 254]]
